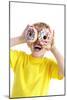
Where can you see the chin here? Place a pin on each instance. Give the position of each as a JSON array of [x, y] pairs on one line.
[[38, 54]]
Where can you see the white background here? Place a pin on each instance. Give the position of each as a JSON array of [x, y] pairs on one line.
[[22, 14], [28, 13], [4, 45]]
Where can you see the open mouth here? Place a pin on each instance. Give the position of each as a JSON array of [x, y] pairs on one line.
[[37, 47]]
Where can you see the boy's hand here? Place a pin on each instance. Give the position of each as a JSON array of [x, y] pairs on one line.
[[30, 34], [20, 39], [49, 43], [24, 33]]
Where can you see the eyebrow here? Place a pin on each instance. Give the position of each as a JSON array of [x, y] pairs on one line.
[[38, 29]]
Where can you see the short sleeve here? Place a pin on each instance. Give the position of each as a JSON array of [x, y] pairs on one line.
[[14, 57], [55, 71]]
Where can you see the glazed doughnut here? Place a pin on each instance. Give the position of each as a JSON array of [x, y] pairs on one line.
[[31, 34]]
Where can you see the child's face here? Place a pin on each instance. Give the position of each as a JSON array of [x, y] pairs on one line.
[[38, 47]]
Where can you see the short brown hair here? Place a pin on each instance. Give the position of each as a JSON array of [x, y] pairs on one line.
[[41, 25]]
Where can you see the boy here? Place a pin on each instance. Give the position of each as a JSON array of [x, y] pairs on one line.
[[32, 73]]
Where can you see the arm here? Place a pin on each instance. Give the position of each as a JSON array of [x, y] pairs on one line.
[[59, 59], [58, 56], [16, 41], [20, 39]]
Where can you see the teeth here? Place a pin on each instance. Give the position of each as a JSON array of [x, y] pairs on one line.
[[38, 47]]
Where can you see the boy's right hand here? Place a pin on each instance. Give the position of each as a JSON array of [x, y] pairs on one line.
[[20, 39], [23, 35], [29, 34]]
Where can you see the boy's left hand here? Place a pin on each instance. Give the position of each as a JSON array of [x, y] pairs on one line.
[[49, 43]]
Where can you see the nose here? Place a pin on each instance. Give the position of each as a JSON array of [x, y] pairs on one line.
[[37, 41]]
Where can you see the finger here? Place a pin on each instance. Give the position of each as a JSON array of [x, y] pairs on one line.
[[53, 39], [53, 33], [26, 29], [42, 42], [45, 42], [47, 47], [50, 29]]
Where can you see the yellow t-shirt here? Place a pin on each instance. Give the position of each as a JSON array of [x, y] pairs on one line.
[[32, 75]]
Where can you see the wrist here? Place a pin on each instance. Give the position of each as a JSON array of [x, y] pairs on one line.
[[53, 49], [22, 39]]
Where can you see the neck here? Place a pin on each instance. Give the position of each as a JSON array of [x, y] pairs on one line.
[[37, 56]]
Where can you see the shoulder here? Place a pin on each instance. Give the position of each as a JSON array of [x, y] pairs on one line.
[[49, 60], [17, 53]]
